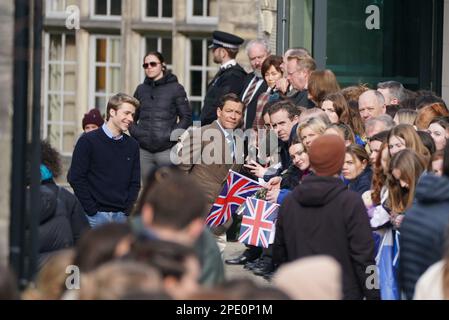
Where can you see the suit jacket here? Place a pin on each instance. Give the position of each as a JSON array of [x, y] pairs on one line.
[[252, 104], [210, 175], [225, 81], [300, 99]]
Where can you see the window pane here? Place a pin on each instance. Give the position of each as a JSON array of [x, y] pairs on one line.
[[69, 108], [70, 48], [197, 52], [115, 50], [101, 50], [69, 78], [198, 7], [101, 7], [167, 8], [151, 45], [55, 47], [54, 74], [195, 83], [100, 76], [68, 140], [116, 7], [114, 78], [152, 8], [54, 107], [100, 103], [167, 50], [54, 135]]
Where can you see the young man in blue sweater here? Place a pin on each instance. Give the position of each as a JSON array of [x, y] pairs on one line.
[[105, 169]]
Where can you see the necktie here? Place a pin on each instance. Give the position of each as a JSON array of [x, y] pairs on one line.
[[230, 141], [250, 91]]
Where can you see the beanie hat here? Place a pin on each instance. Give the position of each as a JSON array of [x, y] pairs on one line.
[[327, 155], [93, 117]]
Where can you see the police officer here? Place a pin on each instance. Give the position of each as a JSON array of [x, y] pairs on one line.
[[230, 78]]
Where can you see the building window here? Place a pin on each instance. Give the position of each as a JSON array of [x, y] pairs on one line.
[[202, 11], [60, 124], [106, 9], [105, 72], [200, 72], [161, 44], [57, 8], [158, 9]]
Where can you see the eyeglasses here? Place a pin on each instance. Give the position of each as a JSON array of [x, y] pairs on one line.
[[151, 64]]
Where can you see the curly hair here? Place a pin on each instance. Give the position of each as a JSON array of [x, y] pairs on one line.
[[50, 158], [379, 176]]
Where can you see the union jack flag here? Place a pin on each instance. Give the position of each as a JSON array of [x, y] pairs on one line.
[[258, 222], [234, 193]]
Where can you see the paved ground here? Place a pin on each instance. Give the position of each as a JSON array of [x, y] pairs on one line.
[[233, 249]]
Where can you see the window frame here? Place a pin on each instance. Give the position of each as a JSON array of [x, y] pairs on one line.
[[94, 64], [61, 92], [204, 68], [200, 19], [108, 16], [159, 18]]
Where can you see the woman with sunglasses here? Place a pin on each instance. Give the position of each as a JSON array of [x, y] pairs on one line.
[[163, 108]]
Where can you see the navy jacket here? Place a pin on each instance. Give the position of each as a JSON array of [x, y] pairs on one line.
[[423, 230], [225, 81], [363, 182], [105, 173]]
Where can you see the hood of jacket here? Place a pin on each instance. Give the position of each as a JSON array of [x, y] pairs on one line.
[[431, 188], [49, 202], [167, 78], [315, 191]]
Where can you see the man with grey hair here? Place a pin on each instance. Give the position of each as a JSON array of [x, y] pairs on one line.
[[392, 91], [371, 104], [378, 124], [253, 85]]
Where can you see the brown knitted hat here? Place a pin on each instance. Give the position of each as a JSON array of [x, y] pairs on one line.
[[327, 155], [93, 117]]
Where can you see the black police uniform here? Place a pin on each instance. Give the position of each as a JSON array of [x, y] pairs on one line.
[[227, 80]]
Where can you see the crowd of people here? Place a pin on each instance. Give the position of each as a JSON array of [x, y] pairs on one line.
[[361, 176]]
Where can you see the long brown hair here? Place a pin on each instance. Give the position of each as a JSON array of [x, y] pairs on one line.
[[428, 113], [379, 177], [411, 165], [322, 83]]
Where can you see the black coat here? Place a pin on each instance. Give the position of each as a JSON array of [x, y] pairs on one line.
[[301, 99], [322, 217], [62, 220], [423, 231], [161, 103], [251, 107], [225, 81]]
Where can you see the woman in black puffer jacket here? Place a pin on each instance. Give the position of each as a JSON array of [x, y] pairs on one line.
[[164, 107]]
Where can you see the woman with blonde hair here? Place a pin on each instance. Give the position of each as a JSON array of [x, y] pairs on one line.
[[404, 136], [310, 130], [405, 116], [428, 113]]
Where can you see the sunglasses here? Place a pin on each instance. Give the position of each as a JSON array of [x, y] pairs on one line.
[[151, 64]]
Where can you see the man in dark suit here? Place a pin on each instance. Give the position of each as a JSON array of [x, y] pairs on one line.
[[254, 84], [229, 79]]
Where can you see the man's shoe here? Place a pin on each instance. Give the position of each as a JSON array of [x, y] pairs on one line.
[[253, 264], [268, 276], [265, 268], [241, 259]]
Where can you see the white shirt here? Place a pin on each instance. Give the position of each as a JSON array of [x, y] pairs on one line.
[[228, 64], [229, 138]]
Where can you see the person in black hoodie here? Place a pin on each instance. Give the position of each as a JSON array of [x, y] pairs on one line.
[[424, 228], [321, 217], [62, 220], [164, 108]]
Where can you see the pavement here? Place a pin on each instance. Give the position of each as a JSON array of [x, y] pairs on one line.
[[232, 250]]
